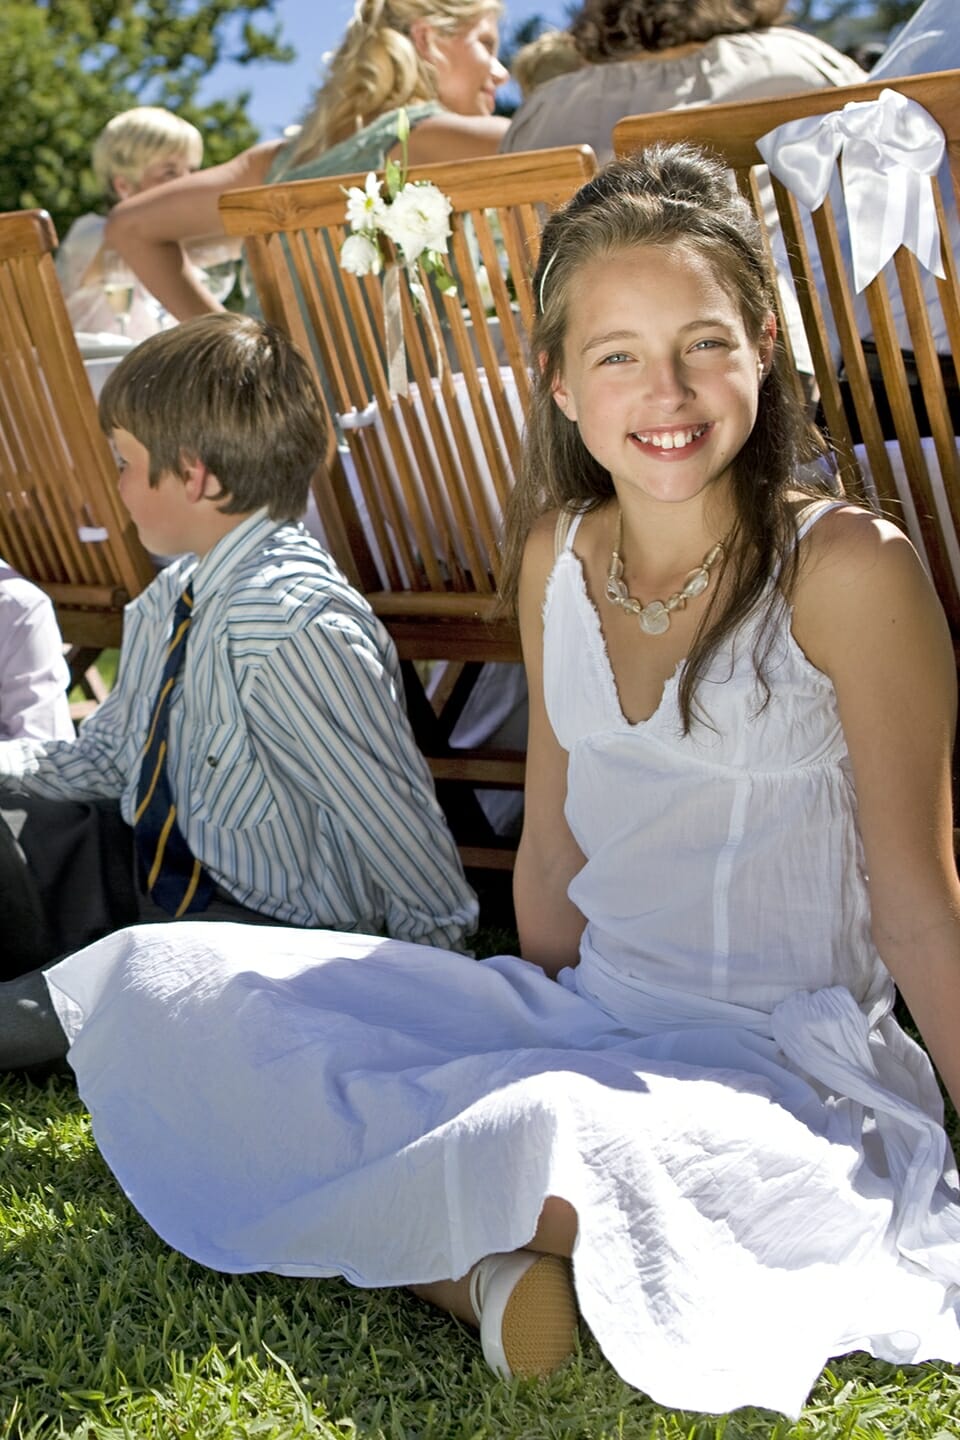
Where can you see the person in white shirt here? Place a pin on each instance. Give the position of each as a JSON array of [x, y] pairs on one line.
[[34, 677], [930, 40]]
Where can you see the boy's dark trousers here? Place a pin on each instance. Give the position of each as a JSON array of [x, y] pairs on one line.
[[68, 875], [67, 878]]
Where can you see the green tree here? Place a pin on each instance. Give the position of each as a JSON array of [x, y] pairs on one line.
[[67, 66], [845, 22]]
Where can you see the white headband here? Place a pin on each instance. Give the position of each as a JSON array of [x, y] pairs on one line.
[[543, 278]]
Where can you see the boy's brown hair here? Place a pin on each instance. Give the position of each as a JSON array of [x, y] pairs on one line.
[[232, 392]]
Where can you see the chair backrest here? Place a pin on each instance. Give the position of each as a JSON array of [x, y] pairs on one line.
[[914, 481], [413, 505], [62, 523]]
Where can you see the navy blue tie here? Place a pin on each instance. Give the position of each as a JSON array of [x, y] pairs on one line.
[[174, 879]]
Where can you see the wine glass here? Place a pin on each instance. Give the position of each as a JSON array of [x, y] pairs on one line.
[[220, 279], [118, 282]]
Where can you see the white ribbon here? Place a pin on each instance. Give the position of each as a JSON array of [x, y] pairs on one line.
[[393, 326], [890, 148], [359, 419]]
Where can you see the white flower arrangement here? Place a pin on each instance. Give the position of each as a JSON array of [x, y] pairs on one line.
[[413, 215]]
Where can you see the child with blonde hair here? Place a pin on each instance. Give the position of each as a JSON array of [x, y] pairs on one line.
[[138, 150]]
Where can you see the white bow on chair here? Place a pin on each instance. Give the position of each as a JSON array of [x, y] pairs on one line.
[[890, 148]]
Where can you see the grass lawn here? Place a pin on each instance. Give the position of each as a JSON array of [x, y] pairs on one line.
[[105, 1332]]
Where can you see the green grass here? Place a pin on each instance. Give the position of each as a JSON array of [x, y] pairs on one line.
[[106, 1334], [107, 663]]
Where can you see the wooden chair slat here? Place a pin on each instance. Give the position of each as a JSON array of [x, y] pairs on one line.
[[915, 481], [57, 474], [414, 512]]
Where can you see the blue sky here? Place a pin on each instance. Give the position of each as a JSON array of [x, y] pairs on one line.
[[279, 93]]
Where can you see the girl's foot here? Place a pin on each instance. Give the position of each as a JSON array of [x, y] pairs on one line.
[[527, 1312]]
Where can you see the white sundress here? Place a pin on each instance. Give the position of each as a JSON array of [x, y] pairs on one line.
[[753, 1146]]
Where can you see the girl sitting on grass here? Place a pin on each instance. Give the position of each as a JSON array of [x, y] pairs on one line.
[[693, 1086]]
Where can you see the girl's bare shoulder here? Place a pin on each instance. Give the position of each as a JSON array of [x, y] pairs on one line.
[[861, 582], [851, 544]]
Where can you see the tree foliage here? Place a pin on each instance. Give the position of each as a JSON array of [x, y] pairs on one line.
[[67, 66], [845, 22]]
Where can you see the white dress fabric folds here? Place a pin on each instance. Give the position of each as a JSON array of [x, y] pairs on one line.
[[753, 1146]]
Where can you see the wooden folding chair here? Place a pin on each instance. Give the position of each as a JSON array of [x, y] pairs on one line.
[[62, 524], [413, 499], [916, 483]]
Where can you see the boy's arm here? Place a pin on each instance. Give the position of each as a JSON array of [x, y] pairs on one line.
[[93, 766], [330, 714]]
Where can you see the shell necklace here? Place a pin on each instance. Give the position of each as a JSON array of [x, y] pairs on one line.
[[654, 618]]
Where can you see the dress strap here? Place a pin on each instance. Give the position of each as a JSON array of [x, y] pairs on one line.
[[568, 523], [813, 512]]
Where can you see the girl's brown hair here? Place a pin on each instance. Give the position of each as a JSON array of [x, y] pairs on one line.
[[669, 195]]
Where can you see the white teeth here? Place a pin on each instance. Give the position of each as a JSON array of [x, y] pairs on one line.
[[672, 439]]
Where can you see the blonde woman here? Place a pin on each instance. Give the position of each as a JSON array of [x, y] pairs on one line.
[[135, 152], [437, 58]]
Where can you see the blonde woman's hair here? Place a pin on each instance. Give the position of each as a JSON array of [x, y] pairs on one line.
[[377, 67], [134, 139]]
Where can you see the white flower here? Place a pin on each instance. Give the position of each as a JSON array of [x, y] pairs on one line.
[[366, 208], [360, 256], [418, 220]]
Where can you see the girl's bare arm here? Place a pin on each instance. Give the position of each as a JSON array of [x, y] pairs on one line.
[[866, 615], [549, 924]]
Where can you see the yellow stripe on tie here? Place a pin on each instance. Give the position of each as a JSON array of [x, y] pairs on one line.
[[157, 709], [161, 846], [177, 637], [153, 783], [191, 890]]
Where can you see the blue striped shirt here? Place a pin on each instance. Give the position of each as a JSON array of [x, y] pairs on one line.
[[297, 779]]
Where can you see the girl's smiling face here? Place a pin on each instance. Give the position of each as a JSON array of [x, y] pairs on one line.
[[659, 373]]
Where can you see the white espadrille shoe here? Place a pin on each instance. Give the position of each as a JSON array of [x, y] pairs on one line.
[[527, 1312]]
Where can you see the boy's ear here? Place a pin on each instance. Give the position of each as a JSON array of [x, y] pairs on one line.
[[199, 483]]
